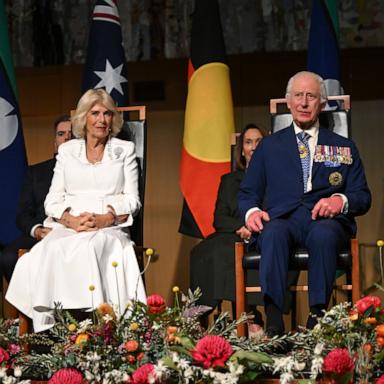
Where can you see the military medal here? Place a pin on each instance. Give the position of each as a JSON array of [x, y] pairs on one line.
[[303, 151], [335, 178]]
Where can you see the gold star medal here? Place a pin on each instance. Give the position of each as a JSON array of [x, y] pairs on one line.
[[335, 178], [303, 151]]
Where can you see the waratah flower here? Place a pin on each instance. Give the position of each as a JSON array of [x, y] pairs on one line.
[[66, 376], [143, 374], [4, 355], [368, 301], [380, 380], [212, 351], [156, 304], [338, 361]]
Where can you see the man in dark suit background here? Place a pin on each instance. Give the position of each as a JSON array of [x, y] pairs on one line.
[[314, 185], [30, 213]]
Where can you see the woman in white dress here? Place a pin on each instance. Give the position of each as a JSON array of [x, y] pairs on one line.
[[86, 259]]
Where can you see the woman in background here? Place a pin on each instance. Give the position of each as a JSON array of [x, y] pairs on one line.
[[87, 258], [212, 261]]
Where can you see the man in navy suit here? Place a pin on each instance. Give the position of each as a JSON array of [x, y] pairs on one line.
[[313, 185], [30, 213]]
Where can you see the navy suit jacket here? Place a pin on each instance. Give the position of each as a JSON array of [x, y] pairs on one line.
[[274, 178], [30, 210]]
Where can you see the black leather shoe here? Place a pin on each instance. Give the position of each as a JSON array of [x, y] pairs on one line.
[[272, 331], [311, 321]]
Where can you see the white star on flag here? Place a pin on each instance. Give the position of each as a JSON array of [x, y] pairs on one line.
[[111, 78]]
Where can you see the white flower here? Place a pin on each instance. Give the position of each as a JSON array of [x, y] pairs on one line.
[[318, 349], [183, 364], [107, 318], [17, 372], [3, 372], [156, 326], [188, 373], [286, 378], [84, 325], [175, 357], [93, 356], [159, 370], [235, 369]]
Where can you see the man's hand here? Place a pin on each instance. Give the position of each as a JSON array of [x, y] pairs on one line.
[[255, 221], [41, 232], [327, 207], [244, 233]]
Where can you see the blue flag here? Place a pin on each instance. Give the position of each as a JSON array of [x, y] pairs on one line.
[[323, 44], [13, 163], [106, 66]]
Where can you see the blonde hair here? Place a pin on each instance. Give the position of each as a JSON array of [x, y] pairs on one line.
[[86, 102]]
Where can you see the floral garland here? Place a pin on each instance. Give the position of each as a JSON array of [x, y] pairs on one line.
[[154, 343]]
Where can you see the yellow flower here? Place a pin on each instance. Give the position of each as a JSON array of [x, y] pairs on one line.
[[91, 287], [175, 289], [149, 252], [72, 327], [134, 327], [115, 264], [380, 243]]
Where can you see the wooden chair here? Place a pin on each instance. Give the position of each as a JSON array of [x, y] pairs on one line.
[[348, 261]]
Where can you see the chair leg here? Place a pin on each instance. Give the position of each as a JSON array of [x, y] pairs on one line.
[[356, 293], [240, 285]]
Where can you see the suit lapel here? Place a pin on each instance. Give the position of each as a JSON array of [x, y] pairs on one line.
[[289, 142]]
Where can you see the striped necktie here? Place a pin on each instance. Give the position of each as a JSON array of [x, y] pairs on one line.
[[305, 156]]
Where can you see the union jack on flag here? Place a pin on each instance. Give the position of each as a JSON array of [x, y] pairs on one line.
[[106, 66]]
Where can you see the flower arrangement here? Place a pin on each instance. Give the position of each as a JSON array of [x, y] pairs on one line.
[[154, 343]]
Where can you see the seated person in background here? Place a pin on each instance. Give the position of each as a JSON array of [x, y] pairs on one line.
[[212, 261], [86, 259], [30, 211], [315, 185]]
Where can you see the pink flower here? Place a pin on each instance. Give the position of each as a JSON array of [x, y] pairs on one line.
[[4, 355], [156, 304], [380, 380], [66, 376], [13, 349], [142, 374], [212, 351], [338, 361], [368, 301]]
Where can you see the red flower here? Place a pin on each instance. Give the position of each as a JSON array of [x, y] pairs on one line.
[[156, 304], [338, 361], [4, 355], [142, 374], [212, 351], [368, 301], [380, 380], [66, 376]]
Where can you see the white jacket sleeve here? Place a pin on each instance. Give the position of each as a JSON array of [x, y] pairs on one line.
[[128, 202], [55, 204]]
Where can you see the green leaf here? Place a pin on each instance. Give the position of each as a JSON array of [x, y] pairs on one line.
[[186, 342], [168, 362], [179, 349], [256, 357]]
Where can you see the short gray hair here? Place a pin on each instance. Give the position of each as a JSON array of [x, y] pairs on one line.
[[86, 102], [323, 90]]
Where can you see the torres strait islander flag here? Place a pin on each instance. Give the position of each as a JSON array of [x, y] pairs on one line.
[[209, 121], [13, 162], [323, 45], [106, 66]]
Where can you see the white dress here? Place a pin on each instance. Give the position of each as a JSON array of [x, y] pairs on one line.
[[78, 269]]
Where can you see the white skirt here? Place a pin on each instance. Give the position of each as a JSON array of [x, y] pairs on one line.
[[79, 270]]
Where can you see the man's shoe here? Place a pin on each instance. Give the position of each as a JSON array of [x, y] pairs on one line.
[[272, 331], [312, 321]]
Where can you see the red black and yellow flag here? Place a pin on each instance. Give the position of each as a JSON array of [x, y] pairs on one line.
[[209, 121]]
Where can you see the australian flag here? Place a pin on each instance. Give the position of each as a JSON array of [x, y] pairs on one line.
[[13, 163], [106, 66]]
